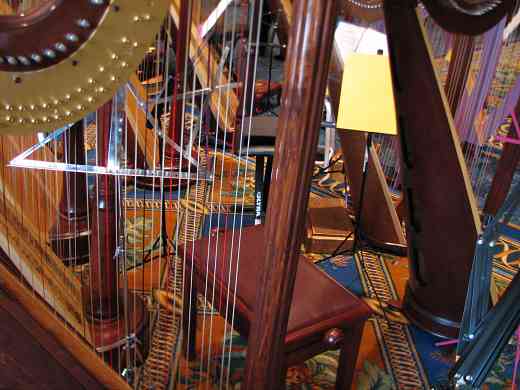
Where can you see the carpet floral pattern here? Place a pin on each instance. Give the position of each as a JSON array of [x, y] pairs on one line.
[[393, 354]]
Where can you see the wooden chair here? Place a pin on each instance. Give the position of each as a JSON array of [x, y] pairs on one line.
[[323, 314]]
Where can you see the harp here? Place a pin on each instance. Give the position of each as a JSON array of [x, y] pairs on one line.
[[435, 315], [140, 168]]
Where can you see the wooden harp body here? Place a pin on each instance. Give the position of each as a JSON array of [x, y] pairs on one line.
[[166, 162]]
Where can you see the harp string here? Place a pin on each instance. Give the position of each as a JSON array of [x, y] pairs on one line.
[[488, 64], [500, 88], [79, 138], [478, 162], [237, 182], [226, 227], [151, 71], [115, 256], [96, 212], [481, 113], [224, 220], [168, 130], [177, 117], [191, 142], [214, 161], [154, 74], [89, 238], [141, 109], [187, 236], [138, 243], [163, 238], [121, 308], [125, 216], [187, 224]]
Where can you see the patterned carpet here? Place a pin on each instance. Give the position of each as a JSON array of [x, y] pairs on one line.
[[393, 354]]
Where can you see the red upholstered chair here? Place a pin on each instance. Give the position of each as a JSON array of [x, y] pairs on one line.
[[323, 314]]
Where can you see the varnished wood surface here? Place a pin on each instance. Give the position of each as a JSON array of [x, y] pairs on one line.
[[146, 139], [329, 227], [442, 219], [103, 222], [24, 364], [69, 236], [312, 327], [348, 10], [505, 171], [46, 319], [379, 220], [27, 213], [469, 17], [306, 69], [30, 358], [147, 277], [353, 12], [105, 317], [42, 28]]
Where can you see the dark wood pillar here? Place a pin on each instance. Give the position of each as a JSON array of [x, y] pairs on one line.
[[442, 220], [306, 71], [110, 319], [103, 224], [69, 236]]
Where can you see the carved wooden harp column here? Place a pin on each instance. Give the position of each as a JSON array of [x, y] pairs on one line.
[[306, 71], [70, 235], [111, 322], [442, 220]]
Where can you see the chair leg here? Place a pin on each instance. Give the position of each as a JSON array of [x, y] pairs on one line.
[[189, 319], [348, 357]]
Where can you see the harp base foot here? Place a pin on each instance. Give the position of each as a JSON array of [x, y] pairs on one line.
[[117, 333], [424, 319]]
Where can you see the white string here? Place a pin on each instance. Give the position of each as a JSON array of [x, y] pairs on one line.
[[173, 124], [125, 216], [211, 210], [235, 287]]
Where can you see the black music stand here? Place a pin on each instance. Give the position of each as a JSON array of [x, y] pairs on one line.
[[357, 232]]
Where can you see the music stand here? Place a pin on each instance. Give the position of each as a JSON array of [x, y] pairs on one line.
[[357, 232]]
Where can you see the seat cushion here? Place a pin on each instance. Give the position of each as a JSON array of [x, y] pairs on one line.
[[319, 302]]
